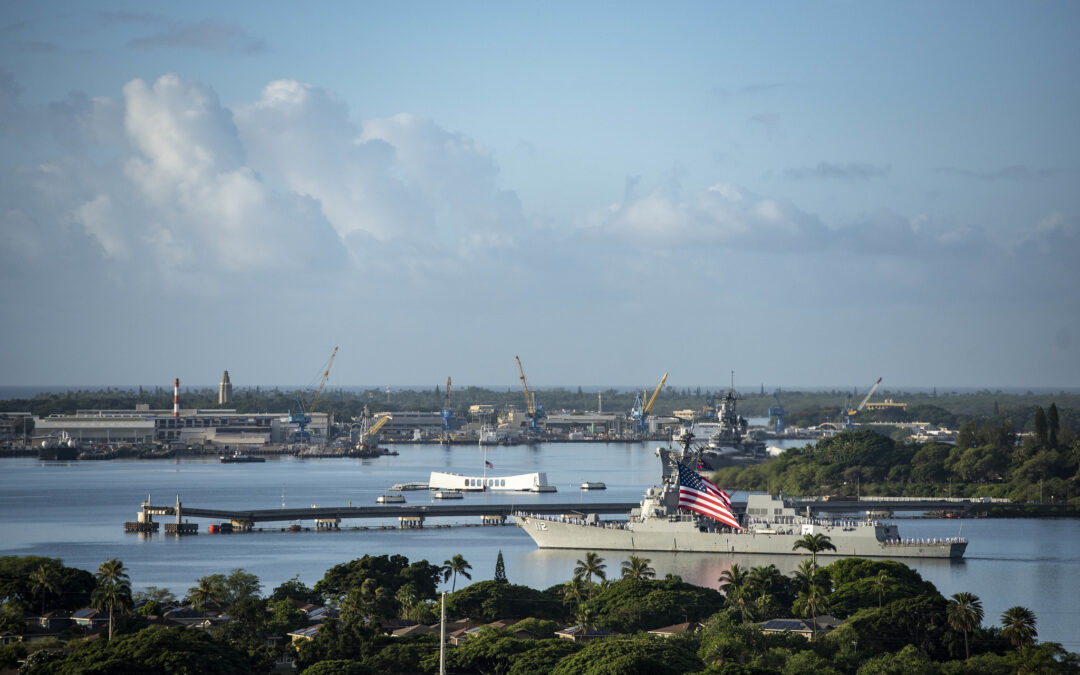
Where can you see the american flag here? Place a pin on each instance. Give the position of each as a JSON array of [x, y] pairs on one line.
[[701, 496], [488, 464]]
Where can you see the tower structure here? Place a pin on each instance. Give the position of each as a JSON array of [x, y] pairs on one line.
[[176, 398], [224, 390]]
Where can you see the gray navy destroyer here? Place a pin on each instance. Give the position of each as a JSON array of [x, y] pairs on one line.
[[768, 525]]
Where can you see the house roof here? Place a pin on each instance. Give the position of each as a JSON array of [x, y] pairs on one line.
[[779, 625], [418, 629], [582, 631], [677, 628], [85, 613], [310, 632]]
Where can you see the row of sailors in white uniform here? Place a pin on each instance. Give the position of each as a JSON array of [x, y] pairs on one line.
[[909, 542]]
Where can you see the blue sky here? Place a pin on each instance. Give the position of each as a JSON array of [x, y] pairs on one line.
[[809, 194]]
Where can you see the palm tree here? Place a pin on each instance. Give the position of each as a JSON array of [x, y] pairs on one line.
[[45, 580], [113, 588], [814, 543], [881, 582], [964, 613], [112, 569], [762, 579], [406, 597], [590, 566], [637, 568], [735, 584], [207, 591], [809, 601], [455, 566], [1018, 624], [804, 574], [573, 592], [112, 594]]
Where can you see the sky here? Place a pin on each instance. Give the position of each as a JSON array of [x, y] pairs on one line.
[[807, 194]]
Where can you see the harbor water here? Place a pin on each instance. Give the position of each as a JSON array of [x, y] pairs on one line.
[[76, 510]]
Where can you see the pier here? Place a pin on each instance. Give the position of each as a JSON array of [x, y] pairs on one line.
[[330, 517]]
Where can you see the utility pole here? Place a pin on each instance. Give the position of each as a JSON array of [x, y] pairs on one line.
[[442, 637]]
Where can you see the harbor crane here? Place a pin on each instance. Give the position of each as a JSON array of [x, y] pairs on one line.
[[850, 412], [447, 413], [301, 417], [641, 409], [533, 412], [778, 412]]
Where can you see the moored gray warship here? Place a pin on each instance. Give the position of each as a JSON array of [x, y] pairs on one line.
[[768, 525]]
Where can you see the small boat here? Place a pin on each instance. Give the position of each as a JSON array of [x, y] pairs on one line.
[[391, 499], [449, 494], [593, 485], [240, 458], [414, 485]]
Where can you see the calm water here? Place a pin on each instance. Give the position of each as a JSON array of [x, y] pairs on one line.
[[75, 511]]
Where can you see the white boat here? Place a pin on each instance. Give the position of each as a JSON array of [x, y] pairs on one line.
[[525, 482], [391, 499], [593, 485], [449, 494]]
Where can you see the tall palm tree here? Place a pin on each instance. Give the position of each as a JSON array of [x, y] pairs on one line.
[[110, 595], [735, 584], [637, 568], [455, 566], [1018, 625], [762, 579], [814, 543], [45, 580], [113, 588], [592, 565], [881, 582], [964, 613]]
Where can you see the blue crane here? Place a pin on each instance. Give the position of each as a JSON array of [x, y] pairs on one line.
[[778, 412], [301, 415]]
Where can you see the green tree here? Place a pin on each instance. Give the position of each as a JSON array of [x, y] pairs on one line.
[[455, 566], [637, 568], [1041, 426], [880, 584], [735, 584], [1053, 425], [814, 543], [111, 595], [500, 569], [592, 565], [1018, 626], [113, 589], [209, 590], [294, 589], [964, 614], [45, 581]]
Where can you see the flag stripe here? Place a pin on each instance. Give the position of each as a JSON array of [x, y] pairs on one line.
[[701, 496]]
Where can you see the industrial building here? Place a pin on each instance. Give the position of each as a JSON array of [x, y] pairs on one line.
[[142, 425]]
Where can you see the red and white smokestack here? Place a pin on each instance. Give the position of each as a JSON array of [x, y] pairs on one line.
[[176, 398]]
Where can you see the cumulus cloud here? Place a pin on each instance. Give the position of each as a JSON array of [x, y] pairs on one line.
[[167, 181], [838, 171]]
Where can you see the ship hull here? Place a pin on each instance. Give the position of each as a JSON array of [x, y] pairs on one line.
[[557, 533]]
